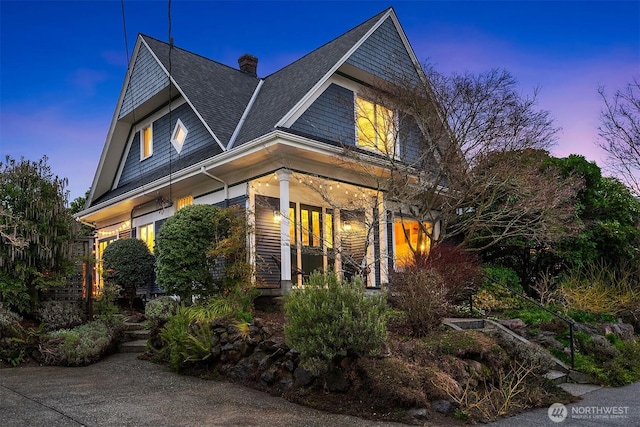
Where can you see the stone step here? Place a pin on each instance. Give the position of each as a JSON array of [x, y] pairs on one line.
[[557, 377], [133, 326], [138, 346], [138, 334]]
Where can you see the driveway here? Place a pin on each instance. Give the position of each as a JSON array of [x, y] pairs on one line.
[[124, 391], [602, 407]]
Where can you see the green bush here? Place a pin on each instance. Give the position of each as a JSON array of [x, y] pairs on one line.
[[200, 251], [128, 263], [158, 310], [188, 338], [16, 342], [492, 296], [60, 315], [328, 319], [185, 340], [81, 345]]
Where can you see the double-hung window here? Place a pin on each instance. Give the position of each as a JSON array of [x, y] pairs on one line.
[[146, 141], [376, 127]]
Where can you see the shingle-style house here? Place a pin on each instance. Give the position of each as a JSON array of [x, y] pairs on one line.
[[187, 129]]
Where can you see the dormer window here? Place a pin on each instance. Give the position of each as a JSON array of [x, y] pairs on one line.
[[376, 127], [146, 142], [179, 135]]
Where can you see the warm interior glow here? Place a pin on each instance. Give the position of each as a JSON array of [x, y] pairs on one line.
[[277, 217], [410, 238], [147, 147], [183, 202], [146, 235], [375, 126]]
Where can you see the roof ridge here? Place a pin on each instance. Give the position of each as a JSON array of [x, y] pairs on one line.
[[193, 53], [374, 18]]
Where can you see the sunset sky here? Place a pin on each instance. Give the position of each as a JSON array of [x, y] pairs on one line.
[[62, 64]]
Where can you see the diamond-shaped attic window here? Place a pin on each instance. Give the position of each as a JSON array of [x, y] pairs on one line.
[[179, 135]]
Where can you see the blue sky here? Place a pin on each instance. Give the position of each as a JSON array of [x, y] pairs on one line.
[[62, 63]]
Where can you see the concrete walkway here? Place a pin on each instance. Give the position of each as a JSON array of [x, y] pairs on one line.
[[599, 407], [124, 391]]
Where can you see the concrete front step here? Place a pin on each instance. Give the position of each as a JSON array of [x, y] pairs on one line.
[[138, 346]]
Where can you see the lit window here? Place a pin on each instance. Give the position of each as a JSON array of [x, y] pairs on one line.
[[146, 235], [410, 238], [146, 142], [179, 135], [184, 201], [292, 226], [376, 127], [328, 230]]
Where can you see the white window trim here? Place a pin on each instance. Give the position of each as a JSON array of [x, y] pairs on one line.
[[177, 144], [141, 131]]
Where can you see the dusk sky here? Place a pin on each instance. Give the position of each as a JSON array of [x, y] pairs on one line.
[[62, 64]]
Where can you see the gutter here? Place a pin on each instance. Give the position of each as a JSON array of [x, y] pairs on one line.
[[226, 186]]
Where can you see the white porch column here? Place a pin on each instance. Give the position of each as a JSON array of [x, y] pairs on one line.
[[285, 237]]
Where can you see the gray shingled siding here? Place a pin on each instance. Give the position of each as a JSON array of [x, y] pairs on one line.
[[198, 138], [411, 140], [383, 54], [267, 242], [147, 79], [330, 116]]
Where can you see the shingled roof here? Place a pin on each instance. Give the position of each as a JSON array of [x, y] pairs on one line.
[[284, 88], [218, 93]]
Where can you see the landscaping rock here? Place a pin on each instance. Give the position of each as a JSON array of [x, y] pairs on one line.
[[513, 324], [443, 406], [303, 377], [419, 413]]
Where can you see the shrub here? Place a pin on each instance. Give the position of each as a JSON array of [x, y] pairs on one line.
[[60, 315], [460, 271], [200, 251], [422, 295], [81, 345], [128, 263], [158, 310], [328, 319], [16, 343], [188, 338], [494, 297], [600, 290]]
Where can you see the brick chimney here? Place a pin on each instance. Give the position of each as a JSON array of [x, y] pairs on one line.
[[248, 64]]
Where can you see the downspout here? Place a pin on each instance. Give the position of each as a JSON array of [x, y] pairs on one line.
[[226, 186]]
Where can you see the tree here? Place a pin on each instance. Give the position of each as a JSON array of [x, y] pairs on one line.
[[201, 251], [470, 159], [128, 263], [619, 132], [36, 230], [76, 206], [604, 227]]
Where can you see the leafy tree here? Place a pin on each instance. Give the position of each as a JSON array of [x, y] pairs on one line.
[[128, 263], [604, 227], [608, 212], [36, 230], [619, 132], [76, 206], [201, 251]]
